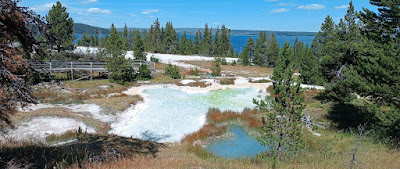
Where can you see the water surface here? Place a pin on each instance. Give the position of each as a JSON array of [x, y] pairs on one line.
[[240, 145]]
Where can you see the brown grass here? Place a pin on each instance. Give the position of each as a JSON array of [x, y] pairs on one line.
[[54, 138], [227, 81], [78, 92], [194, 84], [115, 104], [208, 130], [239, 70], [215, 116]]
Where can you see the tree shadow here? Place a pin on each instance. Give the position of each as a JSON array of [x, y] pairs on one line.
[[91, 149], [345, 116], [151, 136]]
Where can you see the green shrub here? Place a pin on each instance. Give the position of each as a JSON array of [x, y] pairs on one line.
[[216, 67], [120, 71], [144, 72], [196, 72], [234, 63], [154, 59], [172, 71]]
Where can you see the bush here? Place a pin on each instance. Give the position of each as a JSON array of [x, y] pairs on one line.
[[154, 59], [144, 72], [216, 67], [120, 71], [196, 72], [234, 63], [172, 71]]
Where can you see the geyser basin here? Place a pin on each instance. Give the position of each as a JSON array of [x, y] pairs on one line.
[[240, 145], [169, 113]]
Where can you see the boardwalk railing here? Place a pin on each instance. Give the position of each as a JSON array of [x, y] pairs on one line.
[[90, 67]]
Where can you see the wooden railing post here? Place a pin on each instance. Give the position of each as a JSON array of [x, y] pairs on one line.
[[91, 71], [72, 72], [50, 68]]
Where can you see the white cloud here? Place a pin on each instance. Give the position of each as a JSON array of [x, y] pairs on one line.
[[286, 4], [89, 1], [311, 7], [44, 7], [98, 10], [342, 7], [279, 10], [150, 11], [133, 14]]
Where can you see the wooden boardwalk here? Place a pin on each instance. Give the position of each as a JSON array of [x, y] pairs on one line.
[[88, 67]]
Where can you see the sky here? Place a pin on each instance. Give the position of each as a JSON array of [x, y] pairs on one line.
[[274, 15]]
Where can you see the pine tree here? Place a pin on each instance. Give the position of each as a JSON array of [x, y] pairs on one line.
[[225, 41], [61, 25], [273, 51], [310, 68], [248, 53], [96, 38], [197, 43], [298, 48], [216, 47], [170, 40], [120, 71], [261, 50], [282, 127], [185, 45], [138, 48], [131, 39], [206, 41], [125, 41]]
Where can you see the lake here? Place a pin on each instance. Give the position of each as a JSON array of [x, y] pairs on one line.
[[239, 42]]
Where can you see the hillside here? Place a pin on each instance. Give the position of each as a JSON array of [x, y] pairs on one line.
[[81, 28]]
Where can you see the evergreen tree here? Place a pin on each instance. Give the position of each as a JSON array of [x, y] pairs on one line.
[[244, 57], [225, 41], [196, 43], [261, 50], [310, 68], [282, 126], [216, 47], [206, 41], [61, 26], [273, 51], [138, 48], [248, 53], [171, 39], [96, 38], [120, 71], [216, 67], [131, 39], [125, 41], [298, 48], [185, 45]]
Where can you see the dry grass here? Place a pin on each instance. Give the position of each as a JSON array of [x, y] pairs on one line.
[[194, 84], [239, 70], [227, 81], [55, 138], [116, 103], [89, 149], [215, 116], [208, 130], [331, 150], [101, 127], [78, 91]]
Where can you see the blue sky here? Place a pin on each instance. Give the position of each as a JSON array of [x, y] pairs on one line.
[[277, 15]]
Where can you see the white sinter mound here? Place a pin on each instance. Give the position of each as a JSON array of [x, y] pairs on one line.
[[40, 127]]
